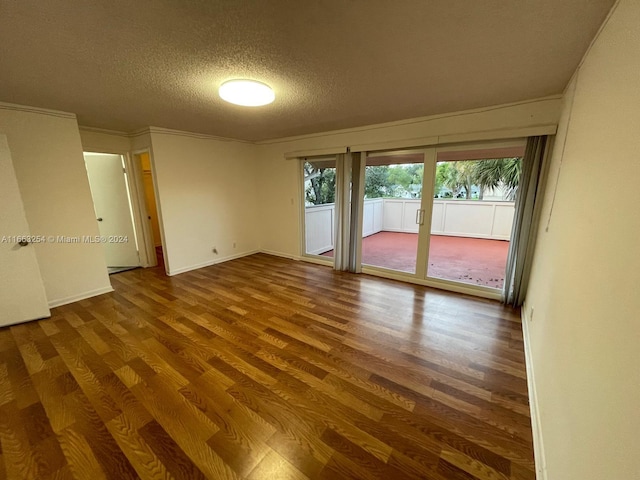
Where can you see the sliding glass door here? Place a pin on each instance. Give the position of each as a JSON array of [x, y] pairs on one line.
[[392, 210], [441, 216], [472, 214]]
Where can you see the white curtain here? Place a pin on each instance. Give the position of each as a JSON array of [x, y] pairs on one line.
[[357, 195], [535, 165], [343, 212]]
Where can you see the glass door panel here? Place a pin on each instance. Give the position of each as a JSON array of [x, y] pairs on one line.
[[392, 210], [319, 191], [472, 214]]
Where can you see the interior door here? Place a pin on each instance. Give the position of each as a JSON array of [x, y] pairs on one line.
[[22, 295], [113, 209]]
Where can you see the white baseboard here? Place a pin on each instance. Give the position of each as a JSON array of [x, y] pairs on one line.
[[210, 262], [280, 254], [536, 427], [81, 296]]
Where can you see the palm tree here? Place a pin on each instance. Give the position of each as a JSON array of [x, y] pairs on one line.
[[499, 171]]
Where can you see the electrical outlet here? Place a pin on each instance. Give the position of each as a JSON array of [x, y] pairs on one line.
[[214, 250]]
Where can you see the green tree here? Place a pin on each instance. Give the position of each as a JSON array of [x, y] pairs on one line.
[[376, 181], [459, 175], [406, 180], [441, 176], [320, 184]]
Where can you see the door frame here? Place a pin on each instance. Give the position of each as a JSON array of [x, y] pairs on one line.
[[137, 177]]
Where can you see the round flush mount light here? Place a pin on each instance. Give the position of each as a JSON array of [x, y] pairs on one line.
[[247, 93]]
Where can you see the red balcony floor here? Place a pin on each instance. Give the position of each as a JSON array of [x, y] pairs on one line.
[[470, 260]]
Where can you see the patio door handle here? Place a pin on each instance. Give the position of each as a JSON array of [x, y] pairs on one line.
[[420, 216]]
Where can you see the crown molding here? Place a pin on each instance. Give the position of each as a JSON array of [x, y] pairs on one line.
[[159, 130], [204, 136], [408, 121], [106, 131], [40, 111]]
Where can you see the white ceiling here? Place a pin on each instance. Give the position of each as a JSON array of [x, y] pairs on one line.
[[127, 64]]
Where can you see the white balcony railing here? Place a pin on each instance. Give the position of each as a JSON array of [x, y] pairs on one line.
[[456, 218]]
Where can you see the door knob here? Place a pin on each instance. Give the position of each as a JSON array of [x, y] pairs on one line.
[[23, 243], [99, 219]]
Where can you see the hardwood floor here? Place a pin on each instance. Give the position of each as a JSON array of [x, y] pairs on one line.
[[265, 368]]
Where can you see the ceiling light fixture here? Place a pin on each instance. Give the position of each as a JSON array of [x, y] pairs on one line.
[[247, 93]]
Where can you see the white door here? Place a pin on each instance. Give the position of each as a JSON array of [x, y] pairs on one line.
[[113, 212], [22, 295]]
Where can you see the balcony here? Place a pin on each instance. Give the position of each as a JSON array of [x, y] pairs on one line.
[[469, 239]]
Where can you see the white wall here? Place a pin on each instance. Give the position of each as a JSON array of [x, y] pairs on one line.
[[47, 156], [584, 336], [104, 142], [280, 189], [207, 191]]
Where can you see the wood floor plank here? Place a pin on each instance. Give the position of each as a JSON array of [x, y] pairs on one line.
[[80, 456], [263, 368], [275, 466], [142, 456]]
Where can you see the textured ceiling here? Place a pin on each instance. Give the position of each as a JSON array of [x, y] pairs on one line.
[[125, 65]]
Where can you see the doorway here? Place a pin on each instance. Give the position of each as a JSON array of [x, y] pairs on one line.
[[109, 183], [142, 161]]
